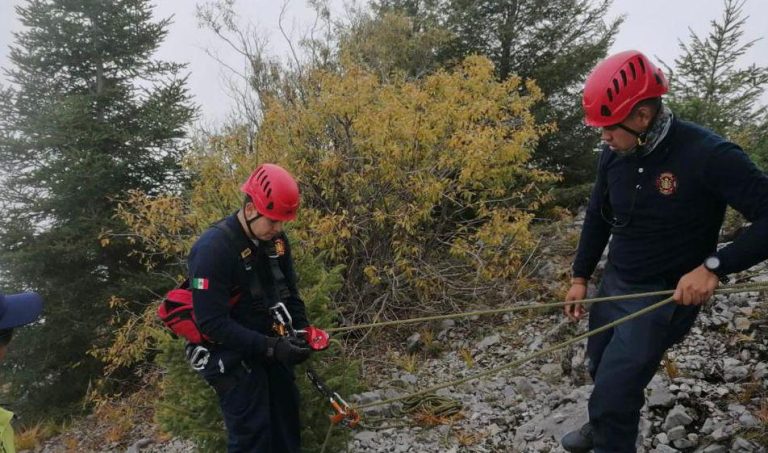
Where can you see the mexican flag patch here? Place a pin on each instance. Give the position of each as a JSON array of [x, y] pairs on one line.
[[199, 283]]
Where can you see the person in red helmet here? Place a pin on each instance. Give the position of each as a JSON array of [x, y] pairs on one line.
[[247, 255], [658, 202]]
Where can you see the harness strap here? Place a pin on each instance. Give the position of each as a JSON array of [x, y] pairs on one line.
[[247, 255], [279, 289]]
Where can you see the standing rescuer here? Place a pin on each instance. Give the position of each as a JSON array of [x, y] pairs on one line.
[[251, 368], [660, 195]]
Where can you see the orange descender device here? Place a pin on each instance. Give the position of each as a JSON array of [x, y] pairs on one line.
[[318, 340]]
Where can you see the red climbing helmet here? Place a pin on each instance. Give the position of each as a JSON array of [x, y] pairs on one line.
[[273, 191], [617, 84]]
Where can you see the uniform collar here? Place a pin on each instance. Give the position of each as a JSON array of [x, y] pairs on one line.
[[658, 131]]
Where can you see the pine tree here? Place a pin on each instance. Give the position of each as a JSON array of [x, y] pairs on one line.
[[89, 114], [555, 42], [710, 87]]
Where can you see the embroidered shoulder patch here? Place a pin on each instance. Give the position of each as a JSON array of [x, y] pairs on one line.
[[666, 183], [280, 247]]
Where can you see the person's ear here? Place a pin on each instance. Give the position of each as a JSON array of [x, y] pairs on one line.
[[645, 116], [250, 210]]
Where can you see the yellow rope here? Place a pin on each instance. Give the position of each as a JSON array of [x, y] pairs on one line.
[[516, 363], [327, 438], [731, 289], [415, 399], [438, 406], [519, 362]]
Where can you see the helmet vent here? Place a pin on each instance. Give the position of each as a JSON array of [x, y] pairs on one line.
[[274, 192], [617, 84]]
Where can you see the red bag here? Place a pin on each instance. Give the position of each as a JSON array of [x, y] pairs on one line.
[[177, 314], [176, 310]]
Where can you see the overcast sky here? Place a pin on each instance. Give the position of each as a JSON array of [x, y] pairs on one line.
[[652, 26]]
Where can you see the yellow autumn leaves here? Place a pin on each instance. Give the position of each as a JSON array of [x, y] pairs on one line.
[[400, 179]]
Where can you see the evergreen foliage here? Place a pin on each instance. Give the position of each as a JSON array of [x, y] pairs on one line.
[[339, 372], [392, 43], [88, 115], [709, 86], [186, 405]]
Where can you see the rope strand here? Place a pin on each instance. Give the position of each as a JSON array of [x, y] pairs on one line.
[[412, 398], [731, 289], [519, 362]]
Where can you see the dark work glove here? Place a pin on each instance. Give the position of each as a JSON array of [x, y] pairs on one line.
[[288, 350]]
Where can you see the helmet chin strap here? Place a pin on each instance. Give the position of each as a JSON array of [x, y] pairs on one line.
[[642, 137], [248, 222]]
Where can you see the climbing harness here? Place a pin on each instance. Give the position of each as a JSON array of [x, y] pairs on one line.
[[342, 412]]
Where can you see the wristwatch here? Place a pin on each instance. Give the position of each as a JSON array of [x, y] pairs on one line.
[[712, 264]]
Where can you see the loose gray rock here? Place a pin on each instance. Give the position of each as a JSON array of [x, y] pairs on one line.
[[742, 445], [684, 443], [529, 409], [676, 417], [676, 433], [488, 341], [660, 396], [413, 343], [365, 436], [141, 443], [661, 438]]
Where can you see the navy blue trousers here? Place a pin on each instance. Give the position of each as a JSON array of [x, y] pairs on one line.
[[261, 408], [624, 359]]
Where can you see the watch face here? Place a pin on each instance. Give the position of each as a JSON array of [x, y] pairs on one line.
[[712, 263]]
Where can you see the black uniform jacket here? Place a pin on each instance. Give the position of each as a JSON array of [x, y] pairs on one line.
[[663, 211], [215, 264]]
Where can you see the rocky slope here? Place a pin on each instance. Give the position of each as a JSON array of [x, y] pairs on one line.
[[711, 395]]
